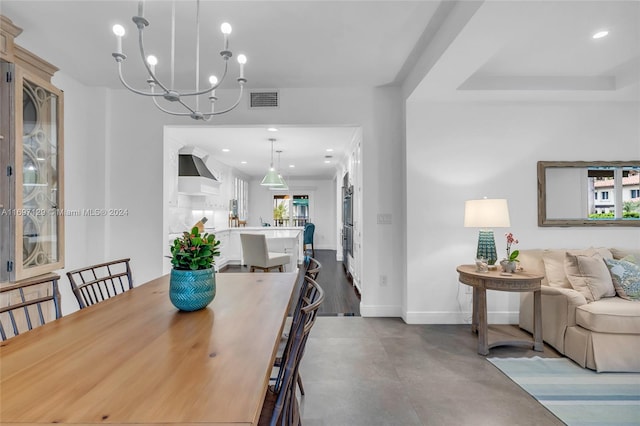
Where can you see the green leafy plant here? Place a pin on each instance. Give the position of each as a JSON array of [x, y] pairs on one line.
[[194, 251], [280, 212]]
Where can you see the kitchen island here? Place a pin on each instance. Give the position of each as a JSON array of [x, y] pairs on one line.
[[279, 239]]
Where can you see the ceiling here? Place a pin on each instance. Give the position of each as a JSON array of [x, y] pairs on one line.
[[309, 149], [504, 50]]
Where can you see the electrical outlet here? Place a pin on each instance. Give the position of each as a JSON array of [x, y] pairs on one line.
[[383, 280]]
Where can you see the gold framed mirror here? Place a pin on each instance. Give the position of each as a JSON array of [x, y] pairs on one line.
[[589, 193]]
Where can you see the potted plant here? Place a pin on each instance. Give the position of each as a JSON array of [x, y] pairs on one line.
[[509, 263], [192, 284]]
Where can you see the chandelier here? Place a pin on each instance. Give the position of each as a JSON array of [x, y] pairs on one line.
[[158, 89]]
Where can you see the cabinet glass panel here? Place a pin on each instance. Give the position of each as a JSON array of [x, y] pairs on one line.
[[39, 177]]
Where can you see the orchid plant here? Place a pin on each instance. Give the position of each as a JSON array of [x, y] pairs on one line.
[[512, 256]]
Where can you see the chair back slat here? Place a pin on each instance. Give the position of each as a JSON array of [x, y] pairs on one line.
[[314, 268], [28, 304], [96, 283]]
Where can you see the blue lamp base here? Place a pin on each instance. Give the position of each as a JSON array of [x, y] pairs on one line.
[[487, 247]]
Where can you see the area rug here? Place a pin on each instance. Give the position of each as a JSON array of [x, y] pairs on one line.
[[576, 395]]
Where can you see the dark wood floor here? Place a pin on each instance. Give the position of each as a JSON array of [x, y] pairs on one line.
[[341, 297]]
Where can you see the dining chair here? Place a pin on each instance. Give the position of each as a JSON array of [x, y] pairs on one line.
[[280, 404], [29, 304], [309, 229], [256, 254], [96, 283], [311, 268]]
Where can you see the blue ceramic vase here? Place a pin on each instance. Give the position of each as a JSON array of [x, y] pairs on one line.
[[192, 290]]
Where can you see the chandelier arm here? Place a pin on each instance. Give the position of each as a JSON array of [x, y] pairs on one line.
[[182, 114], [139, 92], [209, 114], [144, 59]]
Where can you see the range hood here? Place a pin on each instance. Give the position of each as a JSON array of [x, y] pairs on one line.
[[194, 177]]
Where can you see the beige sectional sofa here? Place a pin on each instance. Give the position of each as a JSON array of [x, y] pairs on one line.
[[591, 325]]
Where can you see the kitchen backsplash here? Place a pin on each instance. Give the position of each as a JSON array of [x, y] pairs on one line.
[[191, 209]]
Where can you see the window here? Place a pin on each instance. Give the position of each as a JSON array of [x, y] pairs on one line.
[[281, 210], [595, 195], [300, 210], [290, 211], [605, 195], [241, 195], [635, 193]]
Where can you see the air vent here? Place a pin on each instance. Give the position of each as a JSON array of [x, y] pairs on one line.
[[264, 99]]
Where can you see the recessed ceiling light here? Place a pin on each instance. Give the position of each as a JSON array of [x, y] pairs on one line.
[[291, 166], [329, 149], [326, 161], [600, 34], [272, 129], [243, 162], [225, 149]]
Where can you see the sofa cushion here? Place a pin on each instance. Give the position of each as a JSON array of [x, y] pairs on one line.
[[610, 315], [531, 262], [554, 264], [589, 275], [626, 278]]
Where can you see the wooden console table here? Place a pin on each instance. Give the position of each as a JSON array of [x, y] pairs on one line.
[[494, 280]]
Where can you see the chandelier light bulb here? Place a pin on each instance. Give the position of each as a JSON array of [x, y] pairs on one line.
[[225, 28], [213, 80], [118, 30], [242, 59], [152, 61]]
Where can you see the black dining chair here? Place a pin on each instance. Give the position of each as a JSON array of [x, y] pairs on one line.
[[280, 404], [29, 304], [96, 283]]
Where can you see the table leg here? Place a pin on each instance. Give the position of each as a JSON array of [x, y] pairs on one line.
[[538, 345], [483, 337], [474, 315]]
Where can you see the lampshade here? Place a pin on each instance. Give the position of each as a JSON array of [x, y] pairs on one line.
[[486, 213], [271, 178]]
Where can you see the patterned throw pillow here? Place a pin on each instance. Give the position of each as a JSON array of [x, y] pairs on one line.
[[626, 278]]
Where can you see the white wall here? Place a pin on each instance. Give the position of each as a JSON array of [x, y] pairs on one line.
[[135, 176], [322, 207], [457, 152]]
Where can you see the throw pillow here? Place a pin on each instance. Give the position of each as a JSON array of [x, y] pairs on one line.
[[626, 278], [554, 263], [589, 275]]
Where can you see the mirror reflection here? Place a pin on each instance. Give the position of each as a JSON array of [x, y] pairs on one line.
[[589, 193]]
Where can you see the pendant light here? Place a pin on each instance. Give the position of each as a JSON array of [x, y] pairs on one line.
[[283, 186], [271, 178]]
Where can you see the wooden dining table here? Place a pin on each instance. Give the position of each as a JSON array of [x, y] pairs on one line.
[[136, 359]]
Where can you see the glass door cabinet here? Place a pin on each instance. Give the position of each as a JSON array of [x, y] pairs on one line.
[[31, 198]]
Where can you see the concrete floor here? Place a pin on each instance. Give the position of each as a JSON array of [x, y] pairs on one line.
[[381, 371]]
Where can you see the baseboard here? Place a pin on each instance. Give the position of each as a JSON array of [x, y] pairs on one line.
[[380, 310], [457, 317]]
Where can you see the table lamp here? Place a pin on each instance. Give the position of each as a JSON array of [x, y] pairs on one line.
[[484, 214]]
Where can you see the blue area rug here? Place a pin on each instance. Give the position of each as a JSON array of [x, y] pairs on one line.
[[576, 395]]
